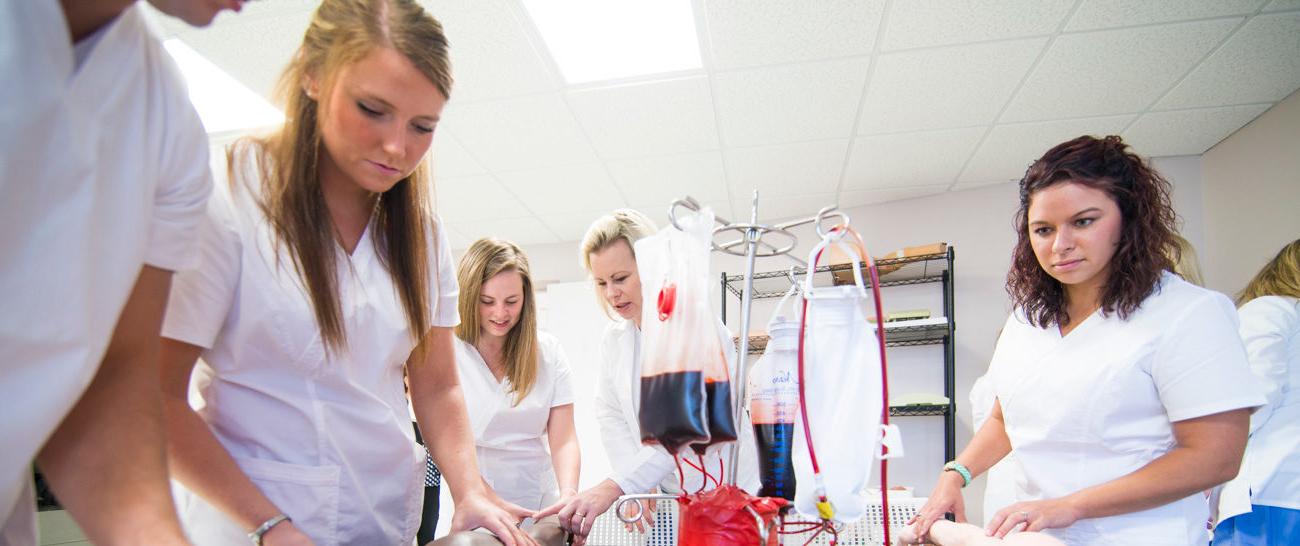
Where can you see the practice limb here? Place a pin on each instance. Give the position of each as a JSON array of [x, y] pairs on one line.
[[947, 533]]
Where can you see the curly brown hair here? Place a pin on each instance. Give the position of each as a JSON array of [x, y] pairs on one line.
[[1147, 246]]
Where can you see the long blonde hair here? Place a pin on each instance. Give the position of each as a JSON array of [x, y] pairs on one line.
[[342, 32], [1280, 277], [627, 225], [485, 259]]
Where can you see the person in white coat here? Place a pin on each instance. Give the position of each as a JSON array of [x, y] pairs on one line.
[[1118, 384], [518, 378], [608, 256], [324, 274], [1261, 506], [103, 180]]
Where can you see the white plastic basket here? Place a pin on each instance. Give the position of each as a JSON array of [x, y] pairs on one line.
[[868, 531]]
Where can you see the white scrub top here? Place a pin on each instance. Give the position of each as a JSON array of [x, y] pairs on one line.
[[513, 450], [640, 468], [1270, 471], [1003, 479], [1099, 403], [103, 169], [326, 437]]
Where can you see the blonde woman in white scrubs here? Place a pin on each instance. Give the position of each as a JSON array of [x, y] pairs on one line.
[[324, 272], [608, 256], [1119, 385], [1261, 506], [518, 379]]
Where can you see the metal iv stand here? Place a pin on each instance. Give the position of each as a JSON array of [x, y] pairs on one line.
[[751, 246]]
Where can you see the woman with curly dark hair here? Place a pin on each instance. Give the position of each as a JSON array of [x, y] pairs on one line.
[[1119, 385]]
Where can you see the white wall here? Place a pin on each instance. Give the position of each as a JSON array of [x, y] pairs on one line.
[[1252, 196]]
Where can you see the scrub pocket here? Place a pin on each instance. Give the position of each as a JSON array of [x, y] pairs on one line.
[[307, 494]]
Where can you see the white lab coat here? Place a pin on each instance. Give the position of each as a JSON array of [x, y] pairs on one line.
[[513, 448], [103, 169], [640, 468], [1099, 403], [1270, 471], [326, 437]]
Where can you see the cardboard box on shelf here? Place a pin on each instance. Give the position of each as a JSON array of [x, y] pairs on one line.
[[835, 256]]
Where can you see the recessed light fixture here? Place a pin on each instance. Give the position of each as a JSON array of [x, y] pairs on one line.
[[224, 104], [598, 40]]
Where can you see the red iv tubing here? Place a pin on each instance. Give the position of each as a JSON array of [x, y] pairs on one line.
[[826, 511]]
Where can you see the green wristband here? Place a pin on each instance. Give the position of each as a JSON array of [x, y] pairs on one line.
[[960, 469]]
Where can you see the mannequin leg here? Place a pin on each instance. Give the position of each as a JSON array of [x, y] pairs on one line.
[[547, 532], [468, 538]]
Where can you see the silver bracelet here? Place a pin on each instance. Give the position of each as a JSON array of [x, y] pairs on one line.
[[265, 527]]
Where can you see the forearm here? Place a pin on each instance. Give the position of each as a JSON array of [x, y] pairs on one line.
[[450, 442], [567, 460], [989, 445], [1175, 475], [1207, 452], [204, 466], [105, 460]]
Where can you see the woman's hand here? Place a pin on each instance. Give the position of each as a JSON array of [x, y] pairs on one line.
[[286, 534], [1033, 516], [945, 498], [499, 517], [579, 512]]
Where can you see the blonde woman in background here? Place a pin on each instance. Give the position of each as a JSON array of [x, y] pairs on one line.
[[608, 255], [1185, 263], [518, 378], [1262, 504], [324, 271]]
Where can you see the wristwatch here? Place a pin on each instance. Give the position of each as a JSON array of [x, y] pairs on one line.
[[265, 527], [960, 469]]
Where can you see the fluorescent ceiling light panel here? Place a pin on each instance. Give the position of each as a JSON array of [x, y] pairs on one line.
[[598, 40], [224, 104]]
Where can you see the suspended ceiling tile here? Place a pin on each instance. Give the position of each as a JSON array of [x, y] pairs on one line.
[[745, 33], [449, 158], [520, 133], [1113, 71], [963, 186], [520, 231], [945, 87], [927, 23], [253, 51], [1187, 132], [785, 169], [455, 238], [1009, 149], [658, 212], [564, 189], [858, 198], [782, 208], [1279, 5], [789, 103], [474, 198], [910, 159], [662, 179], [647, 119], [1260, 63], [491, 51], [572, 226], [1097, 14]]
